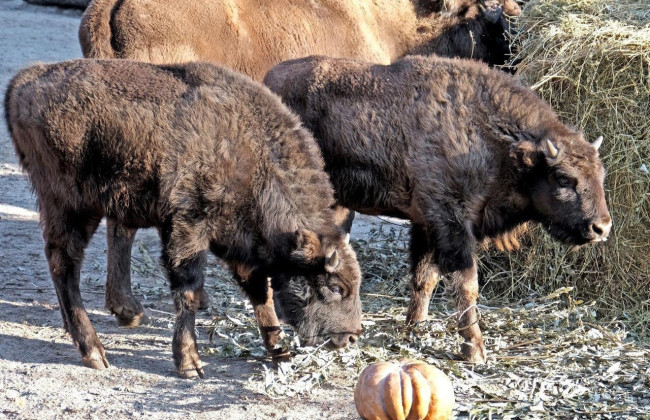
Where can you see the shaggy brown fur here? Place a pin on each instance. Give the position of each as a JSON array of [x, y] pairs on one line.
[[252, 36], [211, 158], [463, 151]]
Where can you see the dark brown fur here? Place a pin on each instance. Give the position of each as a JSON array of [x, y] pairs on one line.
[[463, 151], [213, 160], [251, 37], [469, 29]]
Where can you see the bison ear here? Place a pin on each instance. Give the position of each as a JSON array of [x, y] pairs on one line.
[[308, 245], [525, 153]]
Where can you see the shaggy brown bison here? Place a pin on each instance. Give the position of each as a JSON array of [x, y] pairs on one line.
[[251, 37], [211, 158], [463, 151]]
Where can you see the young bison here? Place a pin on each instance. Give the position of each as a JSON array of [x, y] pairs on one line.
[[253, 36], [211, 158], [463, 151]]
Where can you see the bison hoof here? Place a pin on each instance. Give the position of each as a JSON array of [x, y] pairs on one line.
[[191, 373], [191, 370], [126, 308], [190, 365], [128, 316], [280, 355], [473, 352], [416, 314], [96, 360]]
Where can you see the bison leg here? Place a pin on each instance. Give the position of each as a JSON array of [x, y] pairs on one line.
[[186, 282], [343, 217], [450, 236], [465, 291], [424, 276], [119, 297], [257, 288], [269, 325], [204, 299], [66, 237]]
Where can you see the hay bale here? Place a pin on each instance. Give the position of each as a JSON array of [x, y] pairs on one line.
[[590, 59]]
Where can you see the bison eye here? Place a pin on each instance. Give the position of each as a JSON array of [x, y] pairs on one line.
[[564, 182], [336, 290]]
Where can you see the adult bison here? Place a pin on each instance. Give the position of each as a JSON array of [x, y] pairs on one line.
[[463, 151], [209, 157], [252, 36]]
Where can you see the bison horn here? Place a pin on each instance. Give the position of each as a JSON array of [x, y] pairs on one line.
[[596, 144], [333, 259], [347, 239], [552, 150]]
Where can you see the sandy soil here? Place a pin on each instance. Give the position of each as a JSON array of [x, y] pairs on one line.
[[41, 374]]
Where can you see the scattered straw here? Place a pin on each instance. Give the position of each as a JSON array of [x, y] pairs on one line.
[[549, 357]]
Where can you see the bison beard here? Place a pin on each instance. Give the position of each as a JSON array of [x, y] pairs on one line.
[[210, 158], [465, 152]]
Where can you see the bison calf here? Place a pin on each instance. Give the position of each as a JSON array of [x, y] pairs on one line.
[[252, 36], [209, 157], [463, 151]]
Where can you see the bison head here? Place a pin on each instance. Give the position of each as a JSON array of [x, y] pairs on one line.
[[566, 187], [475, 29], [319, 294]]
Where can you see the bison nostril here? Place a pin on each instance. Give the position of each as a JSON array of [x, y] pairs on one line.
[[596, 229], [601, 229], [353, 339]]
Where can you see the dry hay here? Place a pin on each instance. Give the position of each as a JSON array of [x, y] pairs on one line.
[[551, 357], [590, 59]]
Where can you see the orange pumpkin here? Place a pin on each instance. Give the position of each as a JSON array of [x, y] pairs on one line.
[[408, 390]]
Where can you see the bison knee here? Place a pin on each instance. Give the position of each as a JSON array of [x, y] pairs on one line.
[[467, 290], [465, 285]]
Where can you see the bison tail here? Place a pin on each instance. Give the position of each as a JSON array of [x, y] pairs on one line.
[[20, 108], [95, 31], [11, 113]]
